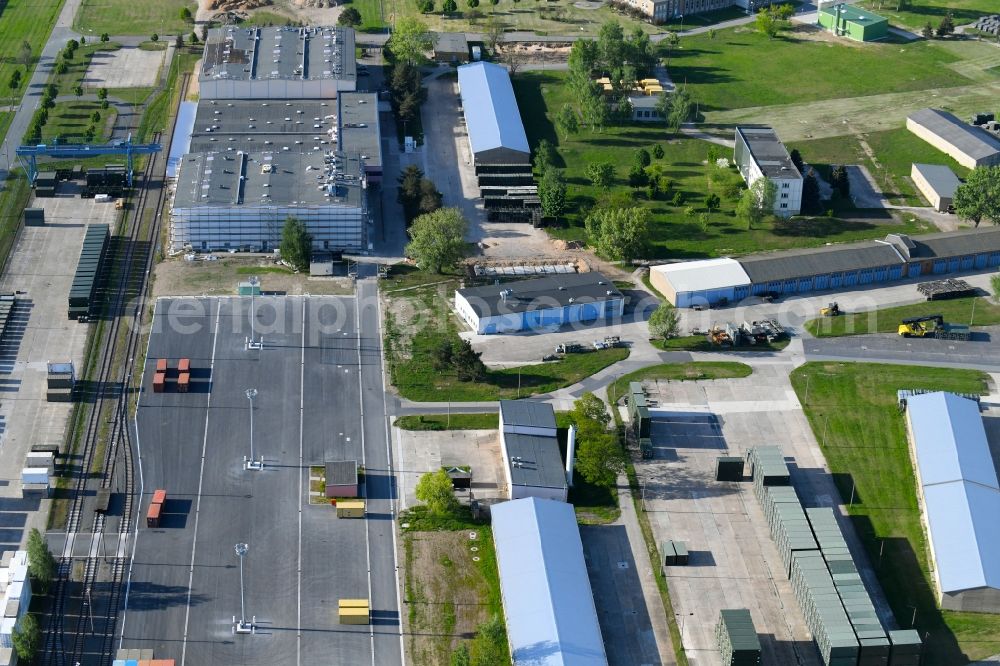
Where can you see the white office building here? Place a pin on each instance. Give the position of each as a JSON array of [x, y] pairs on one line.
[[759, 154]]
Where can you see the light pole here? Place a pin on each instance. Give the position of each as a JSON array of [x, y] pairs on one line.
[[251, 462], [254, 282], [242, 627]]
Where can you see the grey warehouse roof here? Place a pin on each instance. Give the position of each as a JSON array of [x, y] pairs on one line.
[[790, 264], [358, 121], [768, 152], [548, 602], [490, 108], [541, 293], [941, 178], [973, 141], [529, 413], [279, 53], [959, 488], [534, 461], [955, 243], [296, 124], [271, 179]]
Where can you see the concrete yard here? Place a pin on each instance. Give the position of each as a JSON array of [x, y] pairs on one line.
[[734, 562], [127, 67], [426, 451], [42, 266], [319, 398]]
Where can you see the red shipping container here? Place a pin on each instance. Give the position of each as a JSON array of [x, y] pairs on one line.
[[153, 515], [184, 365], [159, 380], [183, 382], [161, 365], [159, 496]]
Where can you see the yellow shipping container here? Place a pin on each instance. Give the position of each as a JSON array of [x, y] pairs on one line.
[[350, 509], [353, 603], [354, 616]]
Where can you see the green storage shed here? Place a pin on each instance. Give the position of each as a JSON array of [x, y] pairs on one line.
[[854, 23]]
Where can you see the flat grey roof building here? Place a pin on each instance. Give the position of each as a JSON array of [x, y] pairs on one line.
[[547, 292], [357, 119], [768, 152], [277, 62], [941, 178], [970, 146], [535, 461], [341, 472], [948, 243], [299, 125], [530, 413], [794, 264]]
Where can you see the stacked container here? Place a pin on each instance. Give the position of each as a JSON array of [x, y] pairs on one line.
[[83, 292], [789, 526], [184, 375], [737, 638], [45, 184], [906, 647], [822, 609], [160, 377], [874, 650], [729, 468], [156, 508], [767, 467]]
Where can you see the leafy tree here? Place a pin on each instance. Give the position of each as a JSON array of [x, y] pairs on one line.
[[436, 491], [437, 239], [296, 243], [450, 7], [583, 57], [756, 202], [418, 195], [978, 198], [25, 53], [784, 11], [658, 151], [179, 41], [102, 94], [733, 189], [640, 52], [703, 221], [712, 202], [611, 44], [995, 286], [27, 638], [599, 457], [767, 23], [545, 156], [595, 110], [193, 38], [41, 563], [592, 408], [154, 37], [83, 40], [618, 233], [566, 119], [104, 104], [467, 362], [493, 31], [840, 180], [14, 83], [410, 41], [601, 174], [105, 37], [669, 42], [186, 15], [712, 32], [637, 176], [552, 193], [642, 158], [78, 91], [472, 3], [928, 31], [796, 158], [95, 117], [62, 67], [810, 193], [425, 6], [677, 199], [676, 109], [664, 322], [946, 26]]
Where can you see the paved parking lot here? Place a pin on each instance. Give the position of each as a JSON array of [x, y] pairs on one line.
[[734, 563], [127, 67], [420, 452]]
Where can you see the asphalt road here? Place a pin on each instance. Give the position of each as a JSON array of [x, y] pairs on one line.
[[185, 582], [981, 352]]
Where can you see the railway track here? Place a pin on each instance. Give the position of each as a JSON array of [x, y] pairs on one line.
[[106, 451]]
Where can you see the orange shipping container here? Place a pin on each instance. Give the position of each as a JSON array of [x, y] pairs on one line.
[[153, 515], [183, 382], [161, 365], [184, 365], [159, 496], [158, 382], [161, 662]]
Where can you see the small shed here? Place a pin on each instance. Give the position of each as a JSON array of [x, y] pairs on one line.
[[460, 477], [451, 47], [321, 263], [342, 478], [937, 183]]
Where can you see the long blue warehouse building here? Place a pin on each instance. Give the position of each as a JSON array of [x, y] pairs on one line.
[[720, 281]]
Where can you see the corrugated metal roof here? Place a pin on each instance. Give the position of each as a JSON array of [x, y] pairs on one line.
[[791, 264], [556, 291], [527, 413], [965, 534], [940, 177], [975, 142], [957, 243], [704, 275], [491, 114], [960, 490], [548, 603], [950, 440]]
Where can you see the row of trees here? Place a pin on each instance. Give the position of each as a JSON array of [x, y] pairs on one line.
[[404, 53], [417, 194], [945, 28]]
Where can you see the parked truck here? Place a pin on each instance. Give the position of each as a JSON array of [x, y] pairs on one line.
[[932, 326], [569, 348]]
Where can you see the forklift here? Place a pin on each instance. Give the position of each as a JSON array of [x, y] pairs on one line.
[[831, 310], [932, 326]]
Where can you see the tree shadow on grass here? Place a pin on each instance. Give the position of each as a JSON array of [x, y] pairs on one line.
[[818, 227]]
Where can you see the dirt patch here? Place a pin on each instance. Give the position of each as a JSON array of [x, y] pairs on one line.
[[177, 277], [445, 592], [194, 87]]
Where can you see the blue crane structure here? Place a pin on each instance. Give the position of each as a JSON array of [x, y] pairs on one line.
[[78, 151]]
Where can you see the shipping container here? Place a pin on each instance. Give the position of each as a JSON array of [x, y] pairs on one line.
[[183, 382], [184, 365], [159, 380], [351, 509], [35, 475], [161, 365], [354, 611], [153, 515], [159, 496]]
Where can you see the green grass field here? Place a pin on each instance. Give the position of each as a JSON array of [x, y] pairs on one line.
[[594, 505], [700, 343], [895, 152], [916, 13], [129, 17], [740, 68], [478, 421], [691, 371], [70, 120], [852, 410], [20, 21], [956, 311], [674, 234]]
